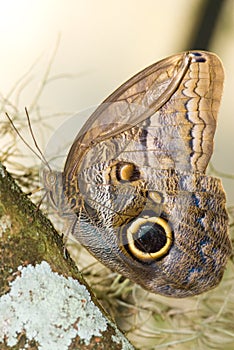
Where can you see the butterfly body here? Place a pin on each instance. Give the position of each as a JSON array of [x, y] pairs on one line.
[[135, 181]]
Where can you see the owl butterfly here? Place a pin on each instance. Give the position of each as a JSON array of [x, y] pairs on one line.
[[134, 184]]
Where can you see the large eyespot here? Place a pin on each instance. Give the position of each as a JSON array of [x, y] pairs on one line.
[[149, 238]]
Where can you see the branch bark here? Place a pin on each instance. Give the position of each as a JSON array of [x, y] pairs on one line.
[[45, 303]]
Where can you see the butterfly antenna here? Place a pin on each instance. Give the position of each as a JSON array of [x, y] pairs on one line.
[[40, 155]]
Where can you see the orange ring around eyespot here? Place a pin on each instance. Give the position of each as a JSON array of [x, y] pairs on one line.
[[149, 256]]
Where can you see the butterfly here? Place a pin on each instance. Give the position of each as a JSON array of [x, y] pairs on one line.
[[134, 186]]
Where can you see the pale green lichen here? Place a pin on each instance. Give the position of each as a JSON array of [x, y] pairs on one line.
[[120, 339], [49, 308], [5, 223]]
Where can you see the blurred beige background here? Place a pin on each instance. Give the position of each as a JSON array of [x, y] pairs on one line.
[[102, 44]]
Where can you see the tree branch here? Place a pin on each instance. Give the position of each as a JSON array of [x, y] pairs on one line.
[[44, 303]]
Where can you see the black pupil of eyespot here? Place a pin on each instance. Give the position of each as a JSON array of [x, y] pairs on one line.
[[151, 238]]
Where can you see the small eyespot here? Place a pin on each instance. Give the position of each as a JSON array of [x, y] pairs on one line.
[[149, 238], [125, 171]]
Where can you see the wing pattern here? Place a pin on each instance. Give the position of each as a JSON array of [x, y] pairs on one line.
[[135, 178]]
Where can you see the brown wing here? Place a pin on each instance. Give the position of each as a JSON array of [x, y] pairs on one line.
[[195, 78]]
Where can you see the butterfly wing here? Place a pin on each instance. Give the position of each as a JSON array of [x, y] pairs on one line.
[[191, 81], [143, 203]]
